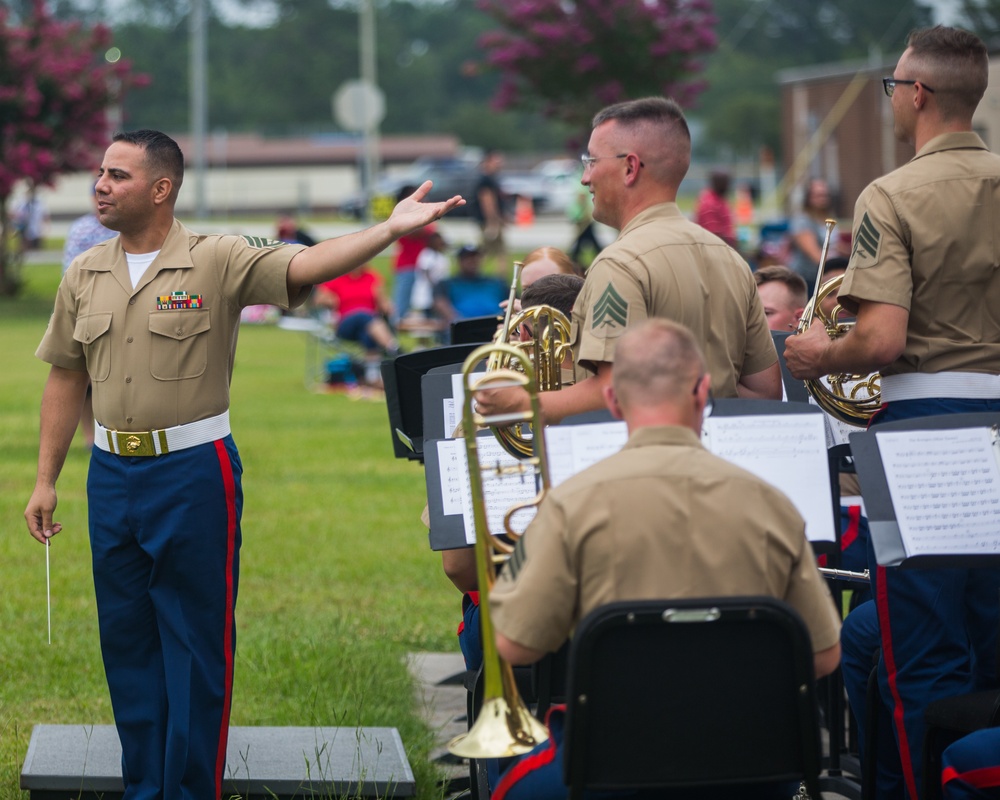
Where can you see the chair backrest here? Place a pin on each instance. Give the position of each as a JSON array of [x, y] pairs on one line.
[[686, 693]]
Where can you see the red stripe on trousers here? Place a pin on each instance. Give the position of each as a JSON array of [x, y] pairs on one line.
[[853, 523], [527, 764], [982, 778], [228, 482], [882, 602]]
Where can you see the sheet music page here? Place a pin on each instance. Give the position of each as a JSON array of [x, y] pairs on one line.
[[452, 406], [500, 492], [786, 450], [945, 489], [572, 448]]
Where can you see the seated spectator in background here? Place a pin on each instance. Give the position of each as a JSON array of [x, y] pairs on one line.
[[580, 212], [431, 268], [663, 518], [784, 294], [469, 293], [288, 230], [540, 262], [807, 231], [362, 308], [712, 211]]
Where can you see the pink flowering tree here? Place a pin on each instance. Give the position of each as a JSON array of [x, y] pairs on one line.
[[570, 58], [56, 87]]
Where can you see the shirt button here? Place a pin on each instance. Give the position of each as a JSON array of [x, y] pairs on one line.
[[128, 380], [131, 302], [128, 420], [129, 340], [178, 331]]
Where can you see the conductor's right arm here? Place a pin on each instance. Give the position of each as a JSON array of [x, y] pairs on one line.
[[62, 401]]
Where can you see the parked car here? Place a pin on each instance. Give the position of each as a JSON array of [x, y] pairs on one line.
[[451, 176], [551, 185]]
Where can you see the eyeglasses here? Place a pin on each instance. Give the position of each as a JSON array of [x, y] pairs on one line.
[[589, 161], [889, 85]]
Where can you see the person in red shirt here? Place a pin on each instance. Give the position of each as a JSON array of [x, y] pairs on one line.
[[713, 213], [408, 248], [362, 307]]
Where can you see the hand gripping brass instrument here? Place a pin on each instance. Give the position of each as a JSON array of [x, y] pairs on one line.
[[851, 398], [546, 350], [504, 726]]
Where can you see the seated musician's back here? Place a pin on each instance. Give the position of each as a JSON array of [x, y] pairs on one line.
[[663, 518]]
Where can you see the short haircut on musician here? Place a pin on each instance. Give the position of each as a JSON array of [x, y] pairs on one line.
[[656, 127], [657, 361], [161, 153], [558, 290], [954, 63], [796, 284]]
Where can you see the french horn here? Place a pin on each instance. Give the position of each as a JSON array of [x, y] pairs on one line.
[[849, 397], [546, 351]]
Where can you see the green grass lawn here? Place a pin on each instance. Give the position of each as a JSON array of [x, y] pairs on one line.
[[337, 581]]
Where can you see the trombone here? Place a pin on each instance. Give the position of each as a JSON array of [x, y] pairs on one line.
[[504, 727]]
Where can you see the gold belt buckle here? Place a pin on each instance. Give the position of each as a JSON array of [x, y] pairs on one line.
[[134, 444]]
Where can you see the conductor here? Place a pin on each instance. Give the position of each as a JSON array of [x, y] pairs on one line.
[[151, 317]]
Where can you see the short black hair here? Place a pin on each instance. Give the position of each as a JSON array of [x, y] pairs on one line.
[[163, 154]]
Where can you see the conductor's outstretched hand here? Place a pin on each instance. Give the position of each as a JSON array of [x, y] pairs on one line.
[[411, 213]]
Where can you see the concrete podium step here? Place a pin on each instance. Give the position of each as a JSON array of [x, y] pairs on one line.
[[82, 761]]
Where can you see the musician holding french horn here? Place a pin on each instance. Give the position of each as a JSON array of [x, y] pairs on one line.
[[924, 283], [661, 265]]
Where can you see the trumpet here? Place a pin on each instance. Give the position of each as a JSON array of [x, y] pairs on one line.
[[504, 726], [851, 398]]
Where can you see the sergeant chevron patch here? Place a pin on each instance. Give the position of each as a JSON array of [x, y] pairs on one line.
[[610, 310], [261, 242], [866, 243]]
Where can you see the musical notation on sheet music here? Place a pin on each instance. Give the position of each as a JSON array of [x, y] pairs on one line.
[[572, 448], [500, 492], [786, 450], [945, 489]]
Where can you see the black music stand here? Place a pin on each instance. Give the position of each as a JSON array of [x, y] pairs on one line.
[[474, 330], [401, 378], [795, 390]]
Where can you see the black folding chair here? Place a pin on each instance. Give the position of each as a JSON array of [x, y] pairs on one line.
[[714, 693]]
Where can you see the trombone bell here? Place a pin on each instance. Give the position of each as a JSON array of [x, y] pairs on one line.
[[500, 731]]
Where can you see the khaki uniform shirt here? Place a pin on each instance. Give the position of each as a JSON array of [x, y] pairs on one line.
[[662, 518], [162, 354], [663, 265], [927, 238]]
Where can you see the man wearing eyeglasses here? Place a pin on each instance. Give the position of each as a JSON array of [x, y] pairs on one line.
[[924, 282], [661, 265]]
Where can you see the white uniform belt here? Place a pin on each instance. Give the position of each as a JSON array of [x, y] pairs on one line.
[[166, 440], [925, 385]]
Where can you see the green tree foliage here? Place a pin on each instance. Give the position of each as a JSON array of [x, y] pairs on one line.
[[757, 38], [982, 17], [55, 89]]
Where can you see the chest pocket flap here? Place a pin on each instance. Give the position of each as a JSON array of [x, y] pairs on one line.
[[90, 332], [179, 343]]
